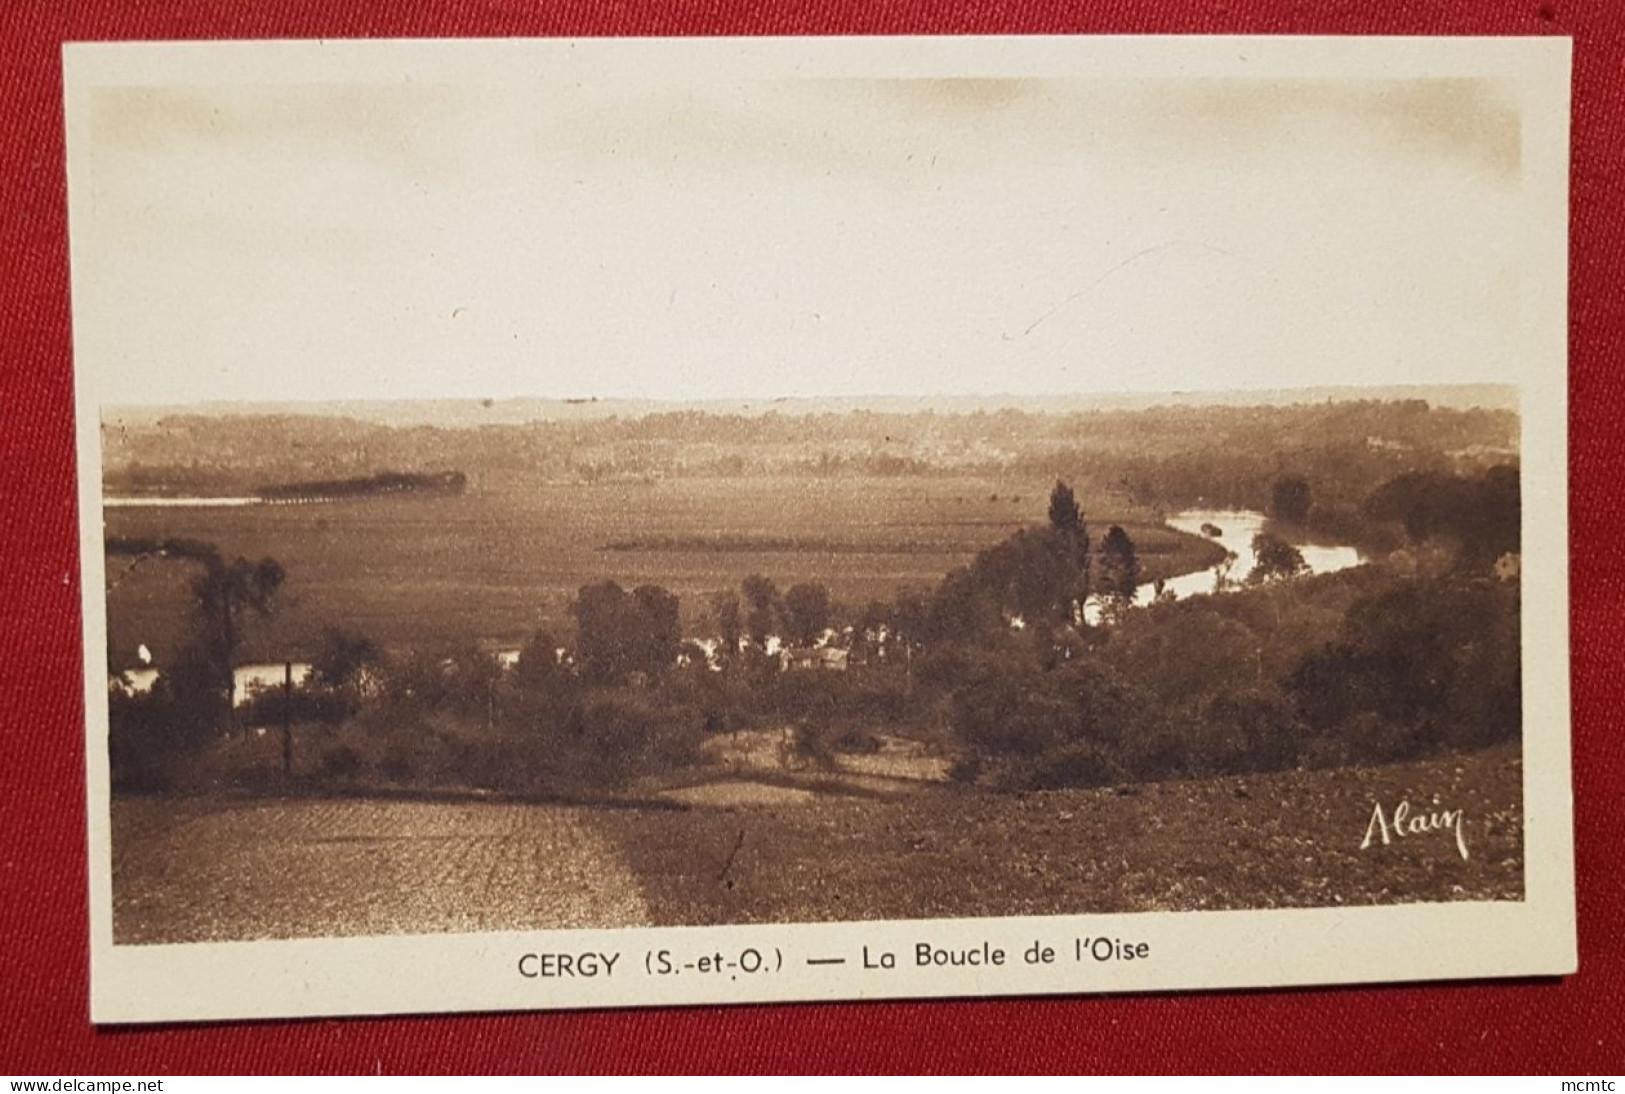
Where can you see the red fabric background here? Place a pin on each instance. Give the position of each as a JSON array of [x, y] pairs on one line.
[[1573, 1026]]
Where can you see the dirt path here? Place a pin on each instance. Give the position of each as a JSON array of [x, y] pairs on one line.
[[193, 870]]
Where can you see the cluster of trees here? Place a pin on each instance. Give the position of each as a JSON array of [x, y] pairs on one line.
[[1002, 662], [194, 697], [620, 633], [1364, 666], [759, 612], [1479, 516], [1039, 579], [1249, 683]]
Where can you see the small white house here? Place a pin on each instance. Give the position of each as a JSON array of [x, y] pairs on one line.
[[247, 682]]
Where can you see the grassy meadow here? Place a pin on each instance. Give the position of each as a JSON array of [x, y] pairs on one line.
[[511, 553]]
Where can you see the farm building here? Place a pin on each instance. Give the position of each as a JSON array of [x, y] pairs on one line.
[[823, 658]]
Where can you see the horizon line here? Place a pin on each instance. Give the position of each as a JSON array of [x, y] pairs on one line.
[[1508, 391]]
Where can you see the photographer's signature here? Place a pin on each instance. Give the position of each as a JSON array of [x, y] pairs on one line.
[[1403, 823]]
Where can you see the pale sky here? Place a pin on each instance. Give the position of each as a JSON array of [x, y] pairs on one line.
[[809, 237]]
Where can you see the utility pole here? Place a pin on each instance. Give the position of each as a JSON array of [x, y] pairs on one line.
[[287, 719]]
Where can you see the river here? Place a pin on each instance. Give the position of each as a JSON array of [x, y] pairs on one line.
[[1237, 527]]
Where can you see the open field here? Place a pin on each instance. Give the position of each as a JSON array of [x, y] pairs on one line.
[[511, 553], [215, 868], [197, 870], [1283, 840]]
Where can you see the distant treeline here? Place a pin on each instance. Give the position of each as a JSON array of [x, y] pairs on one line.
[[1169, 456], [386, 482]]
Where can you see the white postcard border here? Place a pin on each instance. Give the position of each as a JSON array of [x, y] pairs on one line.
[[1191, 950]]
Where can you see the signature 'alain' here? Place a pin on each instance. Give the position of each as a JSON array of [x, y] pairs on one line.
[[1404, 823]]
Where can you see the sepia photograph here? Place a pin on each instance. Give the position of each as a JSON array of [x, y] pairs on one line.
[[633, 487], [619, 666]]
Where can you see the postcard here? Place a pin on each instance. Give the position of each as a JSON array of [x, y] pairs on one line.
[[603, 523]]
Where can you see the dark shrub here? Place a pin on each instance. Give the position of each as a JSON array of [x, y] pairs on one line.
[[1081, 763], [1372, 739], [274, 708], [1183, 652], [1020, 719], [1004, 713], [139, 739], [809, 696], [342, 762], [1437, 660], [627, 733], [398, 764], [1253, 731], [342, 658], [1158, 751], [969, 767]]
